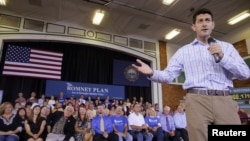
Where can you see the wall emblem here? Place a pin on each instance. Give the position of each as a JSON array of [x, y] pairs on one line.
[[131, 74]]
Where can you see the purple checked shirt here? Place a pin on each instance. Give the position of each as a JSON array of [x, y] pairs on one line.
[[200, 69]]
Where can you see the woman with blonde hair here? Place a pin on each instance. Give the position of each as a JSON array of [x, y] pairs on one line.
[[10, 124]]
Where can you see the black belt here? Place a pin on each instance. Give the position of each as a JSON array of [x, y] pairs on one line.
[[209, 92]]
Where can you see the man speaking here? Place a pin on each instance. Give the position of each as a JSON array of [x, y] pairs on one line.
[[208, 81]]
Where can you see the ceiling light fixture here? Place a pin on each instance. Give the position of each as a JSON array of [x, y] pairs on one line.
[[172, 34], [167, 2], [3, 2], [99, 14], [239, 17]]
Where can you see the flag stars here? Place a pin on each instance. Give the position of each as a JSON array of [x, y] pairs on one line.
[[18, 54]]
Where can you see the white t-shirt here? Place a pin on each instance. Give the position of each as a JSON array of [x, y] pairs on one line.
[[134, 119]]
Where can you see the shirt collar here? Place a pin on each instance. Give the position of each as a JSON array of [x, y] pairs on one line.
[[195, 42]]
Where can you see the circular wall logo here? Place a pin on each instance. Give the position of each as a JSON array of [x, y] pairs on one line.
[[131, 74]]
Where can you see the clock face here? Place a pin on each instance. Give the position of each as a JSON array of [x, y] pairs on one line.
[[131, 74]]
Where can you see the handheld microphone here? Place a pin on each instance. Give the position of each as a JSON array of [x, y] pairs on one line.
[[216, 55]]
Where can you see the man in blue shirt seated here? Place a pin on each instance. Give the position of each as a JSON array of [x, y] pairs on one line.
[[102, 126], [120, 125], [180, 121], [168, 126]]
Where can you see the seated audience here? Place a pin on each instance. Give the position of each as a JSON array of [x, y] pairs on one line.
[[82, 100], [102, 126], [168, 125], [154, 124], [107, 103], [41, 100], [61, 127], [91, 109], [16, 107], [180, 121], [120, 125], [34, 125], [83, 126], [52, 102], [32, 98], [10, 124], [22, 114], [45, 112], [28, 108], [157, 109], [128, 102], [137, 126], [58, 106], [21, 99], [62, 99]]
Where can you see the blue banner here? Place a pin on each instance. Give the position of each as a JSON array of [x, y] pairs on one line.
[[75, 89], [125, 74]]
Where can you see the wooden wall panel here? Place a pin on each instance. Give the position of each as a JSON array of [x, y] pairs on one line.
[[241, 47]]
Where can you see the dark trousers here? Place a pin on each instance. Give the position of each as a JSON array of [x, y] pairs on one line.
[[111, 137], [158, 134], [167, 136], [183, 133]]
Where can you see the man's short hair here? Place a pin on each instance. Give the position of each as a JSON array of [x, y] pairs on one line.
[[202, 11]]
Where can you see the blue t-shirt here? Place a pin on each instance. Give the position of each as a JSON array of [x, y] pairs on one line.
[[119, 122], [152, 121], [61, 100]]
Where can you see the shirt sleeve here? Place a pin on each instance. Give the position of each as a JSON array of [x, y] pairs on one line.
[[173, 69], [234, 63], [108, 124]]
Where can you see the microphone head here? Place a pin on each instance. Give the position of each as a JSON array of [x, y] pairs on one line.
[[210, 40]]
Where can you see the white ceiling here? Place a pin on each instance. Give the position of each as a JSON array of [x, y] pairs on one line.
[[143, 18]]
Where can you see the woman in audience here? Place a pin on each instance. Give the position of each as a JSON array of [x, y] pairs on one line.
[[45, 112], [96, 103], [22, 114], [28, 108], [52, 102], [32, 98], [34, 125], [77, 104], [90, 114], [20, 99], [89, 100], [16, 107], [41, 99], [82, 125], [10, 124]]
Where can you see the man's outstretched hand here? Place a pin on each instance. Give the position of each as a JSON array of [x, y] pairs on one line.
[[143, 68]]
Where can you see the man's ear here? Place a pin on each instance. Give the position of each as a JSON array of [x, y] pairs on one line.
[[213, 25], [193, 27]]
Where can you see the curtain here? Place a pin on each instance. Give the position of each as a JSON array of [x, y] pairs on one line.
[[81, 63]]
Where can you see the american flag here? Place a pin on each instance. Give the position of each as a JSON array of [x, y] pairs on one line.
[[28, 62]]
